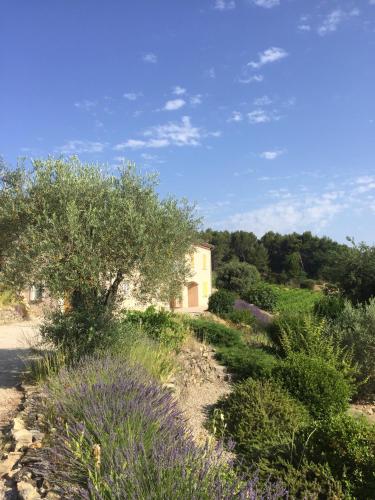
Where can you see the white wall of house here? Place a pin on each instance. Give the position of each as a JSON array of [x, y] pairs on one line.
[[195, 292]]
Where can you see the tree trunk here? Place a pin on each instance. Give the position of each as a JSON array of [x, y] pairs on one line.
[[110, 296]]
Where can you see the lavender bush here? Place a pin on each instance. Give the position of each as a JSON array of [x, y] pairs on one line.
[[121, 435]]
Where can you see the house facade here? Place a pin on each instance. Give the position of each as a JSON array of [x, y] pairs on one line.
[[195, 292]]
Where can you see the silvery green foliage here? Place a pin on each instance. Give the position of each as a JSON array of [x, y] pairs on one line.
[[76, 228]]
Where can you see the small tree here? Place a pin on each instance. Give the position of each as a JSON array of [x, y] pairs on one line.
[[81, 232], [237, 276]]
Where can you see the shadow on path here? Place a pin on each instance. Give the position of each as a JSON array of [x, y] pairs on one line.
[[11, 367]]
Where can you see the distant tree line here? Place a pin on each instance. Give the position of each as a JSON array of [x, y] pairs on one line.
[[297, 258]]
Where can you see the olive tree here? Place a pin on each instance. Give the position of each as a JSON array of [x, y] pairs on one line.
[[81, 232]]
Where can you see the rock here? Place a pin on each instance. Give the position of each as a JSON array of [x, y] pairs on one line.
[[23, 438], [26, 491], [7, 465], [52, 495]]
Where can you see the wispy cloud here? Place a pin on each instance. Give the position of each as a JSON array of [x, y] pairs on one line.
[[236, 116], [365, 184], [252, 79], [272, 155], [85, 105], [132, 96], [334, 19], [195, 100], [177, 90], [287, 215], [224, 4], [270, 55], [267, 4], [261, 116], [211, 73], [78, 146], [262, 101], [174, 104], [179, 134], [150, 58]]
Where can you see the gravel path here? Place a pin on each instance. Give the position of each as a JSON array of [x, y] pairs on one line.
[[13, 347]]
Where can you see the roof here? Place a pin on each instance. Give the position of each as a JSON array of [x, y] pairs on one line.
[[208, 246]]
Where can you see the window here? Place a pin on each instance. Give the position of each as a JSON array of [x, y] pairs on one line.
[[205, 262], [205, 289], [192, 263]]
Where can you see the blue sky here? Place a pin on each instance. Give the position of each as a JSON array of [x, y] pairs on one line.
[[260, 111]]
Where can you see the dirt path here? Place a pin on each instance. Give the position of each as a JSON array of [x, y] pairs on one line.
[[13, 347], [201, 383]]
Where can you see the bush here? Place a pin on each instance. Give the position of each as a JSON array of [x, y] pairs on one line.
[[262, 295], [79, 331], [237, 276], [329, 306], [215, 333], [347, 444], [262, 419], [221, 302], [316, 383], [244, 362], [354, 329], [293, 333], [120, 435], [163, 326], [240, 317]]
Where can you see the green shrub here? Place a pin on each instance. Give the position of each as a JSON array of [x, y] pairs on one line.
[[78, 332], [316, 383], [262, 295], [347, 444], [163, 326], [261, 418], [244, 361], [237, 276], [354, 329], [329, 306], [221, 302], [240, 317], [293, 333], [215, 333]]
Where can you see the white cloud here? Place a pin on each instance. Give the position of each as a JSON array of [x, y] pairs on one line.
[[252, 79], [333, 20], [371, 2], [150, 58], [224, 4], [261, 116], [78, 146], [267, 4], [179, 134], [365, 184], [304, 27], [271, 155], [85, 104], [196, 99], [177, 90], [211, 73], [270, 55], [132, 96], [287, 215], [236, 116], [262, 101], [174, 104]]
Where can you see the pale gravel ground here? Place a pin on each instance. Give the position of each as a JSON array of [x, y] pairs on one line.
[[13, 348]]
